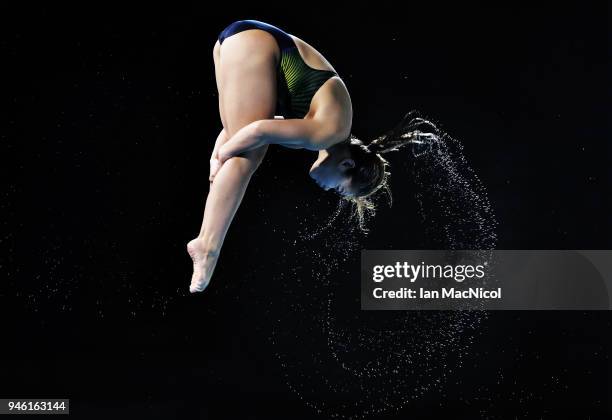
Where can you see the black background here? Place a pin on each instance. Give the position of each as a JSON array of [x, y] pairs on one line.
[[112, 115]]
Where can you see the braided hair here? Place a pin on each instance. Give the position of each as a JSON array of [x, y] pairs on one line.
[[370, 174]]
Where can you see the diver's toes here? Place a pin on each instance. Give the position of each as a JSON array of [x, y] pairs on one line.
[[197, 286]]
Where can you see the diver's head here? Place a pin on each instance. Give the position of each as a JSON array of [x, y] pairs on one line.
[[350, 168], [357, 171]]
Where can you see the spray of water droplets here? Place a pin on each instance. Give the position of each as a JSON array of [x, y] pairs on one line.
[[347, 363]]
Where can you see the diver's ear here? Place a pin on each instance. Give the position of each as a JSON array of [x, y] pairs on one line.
[[347, 163]]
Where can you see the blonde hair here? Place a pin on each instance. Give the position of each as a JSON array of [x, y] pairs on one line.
[[370, 174]]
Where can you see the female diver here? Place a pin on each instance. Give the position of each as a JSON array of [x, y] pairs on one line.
[[275, 88]]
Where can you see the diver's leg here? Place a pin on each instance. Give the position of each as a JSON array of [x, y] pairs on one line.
[[217, 62], [247, 91]]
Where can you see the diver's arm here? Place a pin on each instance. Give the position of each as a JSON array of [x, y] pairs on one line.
[[311, 134]]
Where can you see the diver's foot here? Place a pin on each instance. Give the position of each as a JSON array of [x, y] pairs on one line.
[[203, 265]]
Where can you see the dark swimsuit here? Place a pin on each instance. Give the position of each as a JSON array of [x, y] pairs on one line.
[[297, 82]]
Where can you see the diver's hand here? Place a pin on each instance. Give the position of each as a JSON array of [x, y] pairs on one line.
[[215, 165]]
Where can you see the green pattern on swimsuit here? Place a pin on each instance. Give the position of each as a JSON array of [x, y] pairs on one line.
[[302, 82]]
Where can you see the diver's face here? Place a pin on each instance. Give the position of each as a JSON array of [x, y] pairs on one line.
[[330, 172]]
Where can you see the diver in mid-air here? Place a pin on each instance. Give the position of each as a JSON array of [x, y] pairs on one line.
[[275, 88]]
